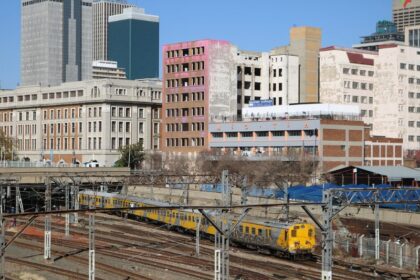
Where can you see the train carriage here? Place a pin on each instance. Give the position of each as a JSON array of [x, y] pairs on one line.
[[286, 239]]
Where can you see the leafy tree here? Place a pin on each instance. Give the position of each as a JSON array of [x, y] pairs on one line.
[[131, 155], [7, 147]]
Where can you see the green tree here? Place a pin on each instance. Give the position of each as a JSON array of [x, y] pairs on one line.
[[6, 147], [131, 155]]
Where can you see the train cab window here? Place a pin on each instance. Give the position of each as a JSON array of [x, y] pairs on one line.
[[247, 230], [294, 233], [260, 231], [241, 229], [253, 231], [310, 232]]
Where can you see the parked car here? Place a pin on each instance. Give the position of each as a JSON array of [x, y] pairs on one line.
[[92, 163]]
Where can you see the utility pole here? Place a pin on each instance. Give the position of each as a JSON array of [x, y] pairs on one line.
[[327, 244], [67, 215], [2, 236], [197, 237], [47, 230], [91, 240], [377, 237], [221, 252]]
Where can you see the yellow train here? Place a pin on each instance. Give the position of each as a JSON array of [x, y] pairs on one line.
[[285, 239]]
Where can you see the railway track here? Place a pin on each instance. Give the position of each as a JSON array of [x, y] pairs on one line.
[[49, 268], [148, 245]]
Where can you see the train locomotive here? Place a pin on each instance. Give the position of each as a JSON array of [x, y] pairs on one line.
[[293, 240]]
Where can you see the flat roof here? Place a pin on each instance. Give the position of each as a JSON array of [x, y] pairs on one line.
[[393, 173]]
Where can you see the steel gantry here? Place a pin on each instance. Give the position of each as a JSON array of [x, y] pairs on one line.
[[335, 200]]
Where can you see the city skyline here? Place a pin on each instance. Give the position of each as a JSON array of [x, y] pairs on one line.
[[242, 25]]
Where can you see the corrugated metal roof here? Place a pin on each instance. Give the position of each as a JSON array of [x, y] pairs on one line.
[[394, 173]]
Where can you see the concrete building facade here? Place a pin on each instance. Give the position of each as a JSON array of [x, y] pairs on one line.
[[389, 97], [56, 41], [133, 41], [209, 79], [102, 10], [330, 142], [405, 13], [305, 43], [347, 76], [82, 121]]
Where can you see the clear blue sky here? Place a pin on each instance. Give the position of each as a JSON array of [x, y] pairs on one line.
[[249, 24]]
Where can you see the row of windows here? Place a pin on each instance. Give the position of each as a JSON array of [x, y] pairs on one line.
[[185, 97], [121, 142], [185, 142], [27, 128], [95, 143], [248, 71], [124, 128], [357, 85], [6, 117], [123, 112], [413, 81], [412, 123], [412, 109], [195, 126], [63, 127], [185, 82], [366, 113], [405, 66], [62, 144], [276, 133], [185, 67], [26, 116], [185, 52], [412, 137], [414, 95], [8, 130], [247, 85], [94, 112], [26, 145], [255, 231], [94, 126], [59, 114], [185, 112], [355, 71], [358, 99]]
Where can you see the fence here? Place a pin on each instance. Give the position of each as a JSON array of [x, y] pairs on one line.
[[397, 253], [27, 164]]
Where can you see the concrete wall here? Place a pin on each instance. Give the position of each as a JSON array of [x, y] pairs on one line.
[[197, 197]]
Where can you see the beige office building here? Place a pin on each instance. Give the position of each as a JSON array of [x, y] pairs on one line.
[[82, 121]]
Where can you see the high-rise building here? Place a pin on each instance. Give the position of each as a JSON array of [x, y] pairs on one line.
[[56, 41], [406, 13], [133, 41], [305, 43], [102, 10]]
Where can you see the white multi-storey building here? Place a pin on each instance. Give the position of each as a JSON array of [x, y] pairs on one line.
[[82, 121], [348, 77], [385, 84]]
